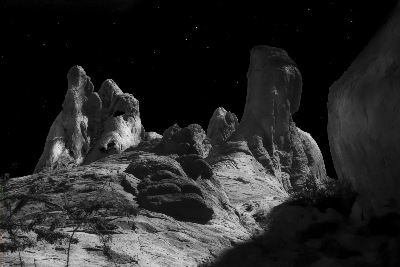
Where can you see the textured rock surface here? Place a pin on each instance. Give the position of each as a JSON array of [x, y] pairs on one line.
[[364, 123], [149, 136], [314, 156], [188, 140], [180, 221], [166, 188], [222, 124], [273, 95], [189, 204], [91, 125]]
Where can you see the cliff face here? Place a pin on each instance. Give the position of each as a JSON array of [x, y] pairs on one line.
[[364, 124]]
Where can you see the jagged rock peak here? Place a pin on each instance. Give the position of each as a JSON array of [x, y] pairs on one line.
[[222, 124], [108, 90], [91, 125]]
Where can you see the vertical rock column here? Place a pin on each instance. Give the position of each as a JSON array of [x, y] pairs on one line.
[[67, 141], [273, 95]]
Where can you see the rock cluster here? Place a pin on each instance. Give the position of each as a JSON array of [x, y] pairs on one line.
[[188, 140], [91, 124], [192, 195], [364, 124]]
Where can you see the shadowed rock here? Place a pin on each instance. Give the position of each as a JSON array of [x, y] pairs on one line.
[[166, 188], [222, 124], [91, 125], [273, 95], [364, 124], [188, 140], [195, 166]]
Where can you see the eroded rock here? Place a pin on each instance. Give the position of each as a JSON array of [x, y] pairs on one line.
[[188, 140], [166, 188], [91, 125], [222, 124], [273, 95]]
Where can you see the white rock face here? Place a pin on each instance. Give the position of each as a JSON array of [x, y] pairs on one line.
[[222, 124], [149, 136], [91, 125]]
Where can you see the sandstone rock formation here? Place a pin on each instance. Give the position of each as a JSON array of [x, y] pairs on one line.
[[188, 140], [364, 123], [222, 124], [91, 125], [273, 95], [150, 136], [171, 200], [166, 188]]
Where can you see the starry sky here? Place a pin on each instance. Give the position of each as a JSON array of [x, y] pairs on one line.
[[180, 59]]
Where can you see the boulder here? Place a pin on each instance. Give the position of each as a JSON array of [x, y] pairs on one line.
[[273, 95], [222, 124], [188, 140], [195, 166], [167, 189], [91, 125], [150, 136], [364, 124]]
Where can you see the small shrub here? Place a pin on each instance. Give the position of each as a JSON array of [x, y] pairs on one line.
[[336, 194], [52, 236]]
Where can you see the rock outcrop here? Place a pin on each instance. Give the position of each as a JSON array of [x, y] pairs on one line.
[[273, 95], [170, 200], [165, 187], [91, 125], [364, 124], [222, 124], [182, 141]]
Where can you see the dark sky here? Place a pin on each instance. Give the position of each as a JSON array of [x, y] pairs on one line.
[[180, 59]]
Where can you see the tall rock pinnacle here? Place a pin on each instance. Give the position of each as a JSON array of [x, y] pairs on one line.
[[273, 94]]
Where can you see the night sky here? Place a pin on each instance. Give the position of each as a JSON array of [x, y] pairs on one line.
[[180, 59]]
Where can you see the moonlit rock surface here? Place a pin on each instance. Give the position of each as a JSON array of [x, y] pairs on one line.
[[364, 123], [91, 125], [222, 124]]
